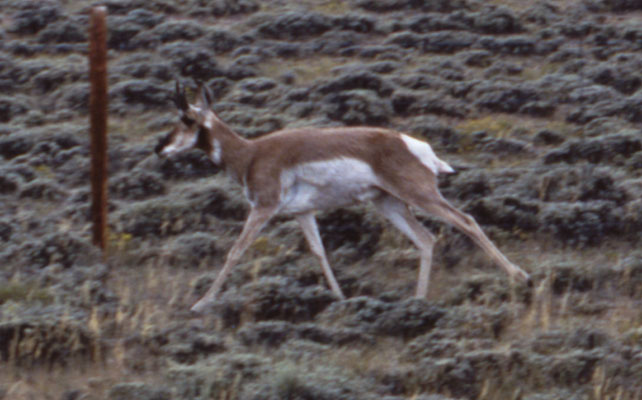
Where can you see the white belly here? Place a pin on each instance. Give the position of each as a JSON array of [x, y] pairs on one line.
[[326, 184]]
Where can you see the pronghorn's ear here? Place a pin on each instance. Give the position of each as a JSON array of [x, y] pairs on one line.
[[179, 97], [207, 98], [204, 98]]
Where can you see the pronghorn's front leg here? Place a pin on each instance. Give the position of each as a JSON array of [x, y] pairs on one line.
[[311, 231], [256, 220]]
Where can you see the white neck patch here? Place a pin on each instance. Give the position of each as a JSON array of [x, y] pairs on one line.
[[217, 152], [209, 120]]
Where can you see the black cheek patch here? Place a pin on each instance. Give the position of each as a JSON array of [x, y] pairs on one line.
[[203, 140]]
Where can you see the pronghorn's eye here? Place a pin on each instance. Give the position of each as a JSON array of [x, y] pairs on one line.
[[187, 120]]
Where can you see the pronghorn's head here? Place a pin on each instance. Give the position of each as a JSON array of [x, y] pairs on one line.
[[194, 126]]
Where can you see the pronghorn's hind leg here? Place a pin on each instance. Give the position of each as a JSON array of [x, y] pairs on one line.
[[467, 224], [400, 216], [426, 197]]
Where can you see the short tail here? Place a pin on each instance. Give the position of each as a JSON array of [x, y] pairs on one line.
[[444, 167]]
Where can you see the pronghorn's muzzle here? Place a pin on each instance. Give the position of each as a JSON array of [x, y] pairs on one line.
[[162, 143]]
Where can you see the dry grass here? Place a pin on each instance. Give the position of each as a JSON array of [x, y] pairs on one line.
[[506, 125], [148, 296], [337, 7], [136, 128], [550, 310], [44, 383], [330, 7], [151, 295], [534, 72], [520, 6], [20, 291], [306, 71], [74, 6], [384, 355], [496, 126]]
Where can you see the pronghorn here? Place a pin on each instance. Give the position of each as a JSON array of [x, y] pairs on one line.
[[299, 171]]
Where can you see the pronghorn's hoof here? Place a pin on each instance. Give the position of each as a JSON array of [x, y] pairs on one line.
[[200, 307], [522, 276]]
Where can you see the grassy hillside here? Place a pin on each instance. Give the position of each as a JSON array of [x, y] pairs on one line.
[[537, 106]]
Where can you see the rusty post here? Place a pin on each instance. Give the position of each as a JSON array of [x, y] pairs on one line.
[[98, 123]]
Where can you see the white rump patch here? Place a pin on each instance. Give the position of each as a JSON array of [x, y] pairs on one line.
[[424, 153]]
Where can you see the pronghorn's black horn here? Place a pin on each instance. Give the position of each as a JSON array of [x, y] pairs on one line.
[[179, 97]]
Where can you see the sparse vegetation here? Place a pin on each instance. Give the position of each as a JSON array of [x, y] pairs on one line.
[[18, 292], [536, 106], [304, 72], [492, 125]]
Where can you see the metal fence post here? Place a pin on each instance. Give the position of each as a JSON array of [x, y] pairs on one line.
[[98, 123]]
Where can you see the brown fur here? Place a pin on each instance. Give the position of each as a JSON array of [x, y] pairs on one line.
[[402, 180], [258, 161]]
